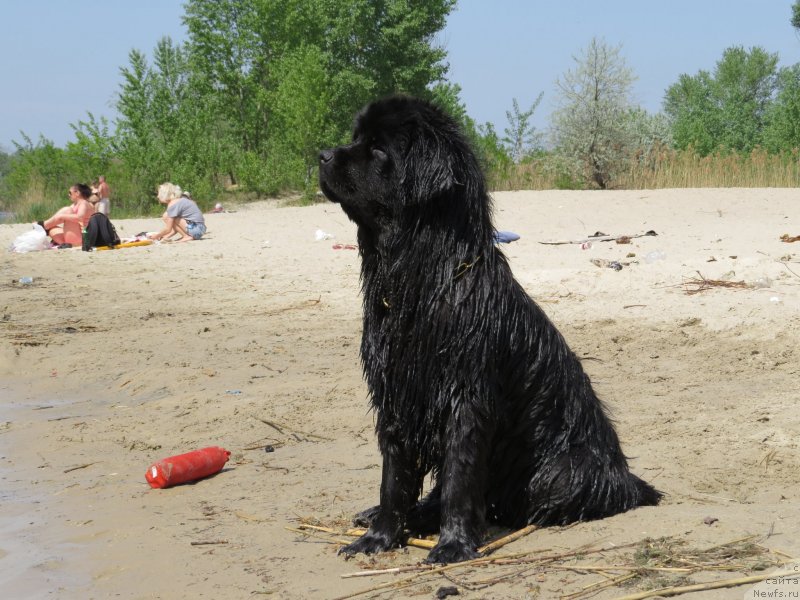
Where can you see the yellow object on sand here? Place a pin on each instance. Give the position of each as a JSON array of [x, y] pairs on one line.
[[126, 245]]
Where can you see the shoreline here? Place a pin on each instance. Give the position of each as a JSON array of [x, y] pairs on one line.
[[249, 338]]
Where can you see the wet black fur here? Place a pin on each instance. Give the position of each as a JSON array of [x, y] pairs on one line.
[[469, 379]]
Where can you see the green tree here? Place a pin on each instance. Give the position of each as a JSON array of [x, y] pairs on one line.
[[727, 108], [692, 110], [782, 119], [170, 128], [300, 107], [5, 163], [521, 137], [92, 151], [589, 127], [231, 44], [289, 75], [795, 21]]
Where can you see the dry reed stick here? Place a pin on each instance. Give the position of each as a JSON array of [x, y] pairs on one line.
[[626, 568], [80, 467], [280, 429], [307, 533], [358, 532], [500, 542], [392, 571], [714, 585], [208, 543], [599, 585], [509, 559], [398, 584]]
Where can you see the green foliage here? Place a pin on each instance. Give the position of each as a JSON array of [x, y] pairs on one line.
[[290, 75], [782, 118], [521, 137], [795, 21], [727, 108], [5, 163]]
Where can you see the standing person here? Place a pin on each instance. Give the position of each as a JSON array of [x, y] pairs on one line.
[[104, 194], [182, 216], [67, 224]]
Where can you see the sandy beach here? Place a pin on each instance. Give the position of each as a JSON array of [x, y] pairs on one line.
[[248, 339]]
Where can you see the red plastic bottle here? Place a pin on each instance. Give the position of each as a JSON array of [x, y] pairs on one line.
[[186, 467]]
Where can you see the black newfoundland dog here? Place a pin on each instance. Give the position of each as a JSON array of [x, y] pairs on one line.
[[469, 379]]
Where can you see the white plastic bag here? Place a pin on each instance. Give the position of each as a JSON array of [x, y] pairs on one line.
[[31, 241]]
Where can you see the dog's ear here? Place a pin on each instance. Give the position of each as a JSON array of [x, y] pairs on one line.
[[430, 170]]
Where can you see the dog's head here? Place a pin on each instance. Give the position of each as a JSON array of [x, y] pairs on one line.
[[404, 152]]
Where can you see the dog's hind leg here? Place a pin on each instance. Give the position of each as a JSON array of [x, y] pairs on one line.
[[426, 515], [400, 485], [423, 518], [365, 517]]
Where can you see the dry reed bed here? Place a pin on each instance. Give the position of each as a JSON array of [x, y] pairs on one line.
[[653, 567], [666, 168]]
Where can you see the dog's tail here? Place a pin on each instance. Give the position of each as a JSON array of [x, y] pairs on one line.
[[642, 493]]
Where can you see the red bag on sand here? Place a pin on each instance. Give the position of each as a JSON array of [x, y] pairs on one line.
[[186, 467]]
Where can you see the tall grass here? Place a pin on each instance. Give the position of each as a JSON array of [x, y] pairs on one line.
[[684, 169], [663, 168], [35, 203]]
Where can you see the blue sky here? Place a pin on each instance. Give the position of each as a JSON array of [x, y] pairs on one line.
[[60, 59]]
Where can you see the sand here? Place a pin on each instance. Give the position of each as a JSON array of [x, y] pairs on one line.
[[249, 338]]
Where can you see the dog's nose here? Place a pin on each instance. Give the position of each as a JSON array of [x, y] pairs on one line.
[[326, 156]]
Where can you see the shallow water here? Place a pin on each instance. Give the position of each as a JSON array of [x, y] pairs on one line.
[[36, 561]]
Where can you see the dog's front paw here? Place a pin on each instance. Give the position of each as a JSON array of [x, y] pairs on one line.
[[369, 543], [366, 517], [451, 551]]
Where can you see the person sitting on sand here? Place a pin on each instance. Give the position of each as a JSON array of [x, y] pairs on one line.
[[182, 216], [67, 225]]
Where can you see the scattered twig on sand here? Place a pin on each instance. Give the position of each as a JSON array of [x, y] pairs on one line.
[[600, 237], [294, 433], [306, 531], [358, 532], [391, 571], [597, 586], [80, 467], [209, 543], [713, 585], [695, 285], [251, 518], [500, 542], [790, 238], [261, 443], [661, 564], [298, 306], [788, 268]]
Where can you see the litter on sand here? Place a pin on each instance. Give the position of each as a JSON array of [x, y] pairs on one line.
[[607, 264], [505, 237], [695, 285], [599, 236]]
